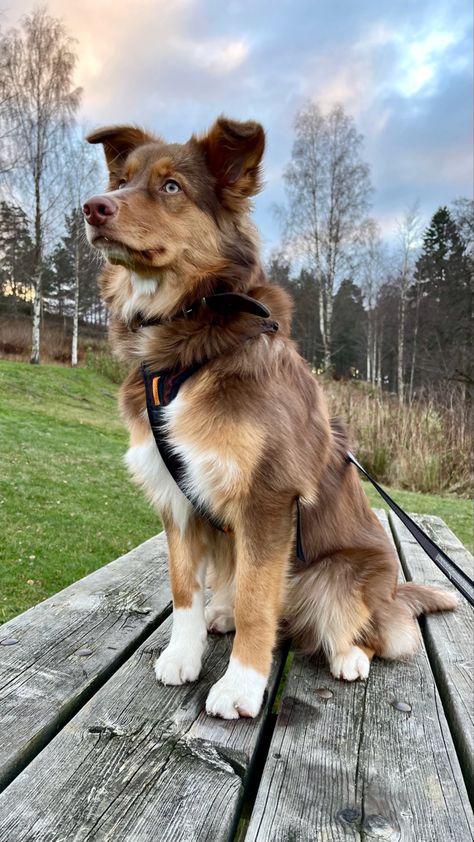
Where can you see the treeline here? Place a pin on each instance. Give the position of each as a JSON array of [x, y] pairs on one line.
[[434, 307], [46, 171], [398, 315], [68, 267]]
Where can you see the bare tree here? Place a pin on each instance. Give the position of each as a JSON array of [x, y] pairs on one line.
[[82, 173], [328, 189], [409, 230], [39, 105], [372, 270]]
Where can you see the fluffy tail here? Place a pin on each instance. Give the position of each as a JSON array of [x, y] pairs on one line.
[[399, 632], [424, 599]]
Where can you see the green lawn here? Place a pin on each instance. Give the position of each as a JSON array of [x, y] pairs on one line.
[[67, 505], [455, 511]]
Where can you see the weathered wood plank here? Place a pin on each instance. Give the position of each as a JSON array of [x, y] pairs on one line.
[[449, 636], [345, 764], [138, 762], [68, 645]]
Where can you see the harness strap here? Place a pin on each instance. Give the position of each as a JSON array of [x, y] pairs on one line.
[[451, 570], [161, 387]]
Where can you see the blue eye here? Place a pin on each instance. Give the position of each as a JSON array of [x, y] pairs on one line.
[[171, 187], [121, 183]]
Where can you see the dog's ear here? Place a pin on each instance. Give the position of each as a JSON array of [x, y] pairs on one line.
[[233, 153], [118, 141]]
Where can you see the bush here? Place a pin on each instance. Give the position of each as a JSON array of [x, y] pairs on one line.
[[104, 363], [425, 446]]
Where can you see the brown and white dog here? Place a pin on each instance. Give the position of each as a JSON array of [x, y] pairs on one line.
[[251, 426]]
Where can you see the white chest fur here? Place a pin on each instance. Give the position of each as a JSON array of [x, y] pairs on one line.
[[147, 468], [210, 478]]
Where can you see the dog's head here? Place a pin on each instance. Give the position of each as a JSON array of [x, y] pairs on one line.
[[177, 215]]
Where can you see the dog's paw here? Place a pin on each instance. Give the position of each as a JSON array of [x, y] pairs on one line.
[[219, 619], [238, 693], [350, 665], [177, 665]]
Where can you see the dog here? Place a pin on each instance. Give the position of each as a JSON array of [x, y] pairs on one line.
[[259, 458]]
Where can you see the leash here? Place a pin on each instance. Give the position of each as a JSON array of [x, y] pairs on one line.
[[451, 570]]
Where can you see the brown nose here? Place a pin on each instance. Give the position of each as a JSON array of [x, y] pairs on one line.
[[99, 210]]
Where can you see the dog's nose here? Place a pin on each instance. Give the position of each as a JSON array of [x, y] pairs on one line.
[[99, 210]]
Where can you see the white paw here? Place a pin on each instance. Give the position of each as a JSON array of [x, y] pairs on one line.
[[219, 618], [350, 665], [177, 665], [238, 693]]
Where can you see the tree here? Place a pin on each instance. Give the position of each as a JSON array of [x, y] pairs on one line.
[[81, 176], [328, 189], [16, 254], [463, 215], [409, 233], [303, 291], [73, 266], [443, 274], [372, 271], [348, 330], [37, 66]]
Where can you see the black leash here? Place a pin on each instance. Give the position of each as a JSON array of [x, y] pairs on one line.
[[458, 577]]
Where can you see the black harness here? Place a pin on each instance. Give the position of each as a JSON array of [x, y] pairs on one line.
[[162, 386]]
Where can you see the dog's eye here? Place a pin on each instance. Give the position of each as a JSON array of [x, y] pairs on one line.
[[121, 183], [171, 187]]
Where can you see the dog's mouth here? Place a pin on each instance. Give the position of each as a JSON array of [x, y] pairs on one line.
[[118, 252]]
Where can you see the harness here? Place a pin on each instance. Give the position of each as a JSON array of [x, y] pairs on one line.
[[162, 386]]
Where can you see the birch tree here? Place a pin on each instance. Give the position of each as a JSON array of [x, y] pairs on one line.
[[39, 103], [408, 237], [82, 175], [372, 270], [328, 189]]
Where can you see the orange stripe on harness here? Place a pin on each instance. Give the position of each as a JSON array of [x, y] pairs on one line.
[[154, 386]]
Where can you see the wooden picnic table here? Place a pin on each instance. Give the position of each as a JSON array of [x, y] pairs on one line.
[[92, 748]]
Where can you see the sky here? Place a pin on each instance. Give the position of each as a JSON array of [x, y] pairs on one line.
[[401, 68]]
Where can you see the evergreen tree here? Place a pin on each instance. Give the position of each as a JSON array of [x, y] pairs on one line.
[[74, 255], [16, 255], [442, 303], [349, 331]]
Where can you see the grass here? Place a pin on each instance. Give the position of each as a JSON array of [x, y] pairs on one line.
[[455, 511], [67, 505], [425, 446]]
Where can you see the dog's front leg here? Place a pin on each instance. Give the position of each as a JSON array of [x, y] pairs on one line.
[[181, 660], [261, 563]]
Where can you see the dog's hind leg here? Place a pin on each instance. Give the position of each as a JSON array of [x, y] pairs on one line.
[[325, 609], [220, 610], [220, 613]]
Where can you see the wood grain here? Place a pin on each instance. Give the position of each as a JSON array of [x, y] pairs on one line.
[[449, 637], [350, 766], [68, 645], [138, 762]]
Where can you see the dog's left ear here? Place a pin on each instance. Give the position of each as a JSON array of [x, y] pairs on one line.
[[233, 153]]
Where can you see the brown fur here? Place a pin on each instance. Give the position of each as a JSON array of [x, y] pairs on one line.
[[255, 406]]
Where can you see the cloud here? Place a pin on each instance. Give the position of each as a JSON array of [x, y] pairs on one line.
[[402, 69]]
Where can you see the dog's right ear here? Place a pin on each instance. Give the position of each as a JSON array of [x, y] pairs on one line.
[[118, 141]]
